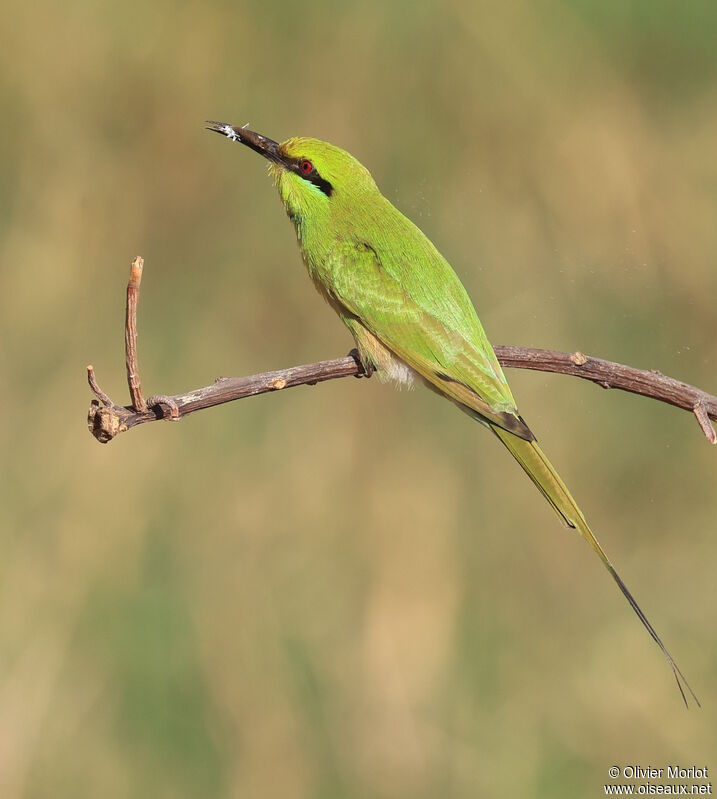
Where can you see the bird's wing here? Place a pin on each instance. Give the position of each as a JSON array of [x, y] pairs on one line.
[[435, 331]]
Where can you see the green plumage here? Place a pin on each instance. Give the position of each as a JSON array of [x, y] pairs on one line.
[[405, 306]]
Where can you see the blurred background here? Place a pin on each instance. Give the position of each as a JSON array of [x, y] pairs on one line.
[[349, 591]]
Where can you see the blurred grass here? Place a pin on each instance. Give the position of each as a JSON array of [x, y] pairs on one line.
[[332, 592]]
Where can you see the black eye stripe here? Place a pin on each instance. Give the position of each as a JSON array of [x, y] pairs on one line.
[[324, 185], [312, 176]]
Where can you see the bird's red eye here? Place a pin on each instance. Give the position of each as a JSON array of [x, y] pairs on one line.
[[306, 166]]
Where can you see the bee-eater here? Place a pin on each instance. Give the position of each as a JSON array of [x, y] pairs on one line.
[[409, 314]]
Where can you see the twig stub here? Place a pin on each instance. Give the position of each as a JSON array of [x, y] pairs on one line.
[[96, 390], [130, 335], [704, 422]]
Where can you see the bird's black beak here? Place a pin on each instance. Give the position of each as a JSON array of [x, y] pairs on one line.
[[260, 144]]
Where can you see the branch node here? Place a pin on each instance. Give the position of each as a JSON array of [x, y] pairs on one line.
[[704, 422], [104, 423]]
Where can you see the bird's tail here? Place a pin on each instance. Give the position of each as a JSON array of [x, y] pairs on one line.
[[541, 472]]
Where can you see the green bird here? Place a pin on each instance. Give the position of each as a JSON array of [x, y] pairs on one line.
[[409, 314]]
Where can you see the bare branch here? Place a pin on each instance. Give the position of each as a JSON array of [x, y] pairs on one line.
[[107, 420], [648, 383]]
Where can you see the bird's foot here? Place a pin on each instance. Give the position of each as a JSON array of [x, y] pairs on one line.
[[367, 369]]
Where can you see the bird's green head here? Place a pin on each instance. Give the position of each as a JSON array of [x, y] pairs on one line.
[[312, 176]]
